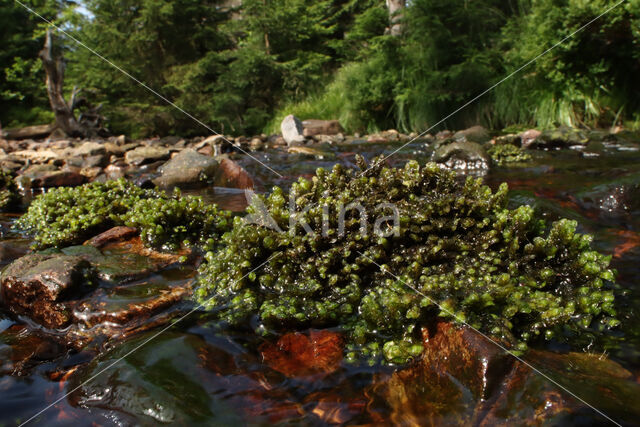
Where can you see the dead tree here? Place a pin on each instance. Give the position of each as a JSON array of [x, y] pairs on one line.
[[54, 68], [395, 16]]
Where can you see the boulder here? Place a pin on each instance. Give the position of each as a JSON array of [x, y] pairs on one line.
[[314, 127], [146, 154], [292, 130], [476, 134], [187, 169], [462, 156], [37, 285], [562, 137], [529, 137]]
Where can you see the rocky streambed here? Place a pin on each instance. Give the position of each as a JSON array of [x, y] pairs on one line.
[[82, 318]]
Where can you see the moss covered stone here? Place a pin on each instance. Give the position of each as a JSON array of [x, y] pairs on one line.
[[503, 271], [504, 154], [67, 216]]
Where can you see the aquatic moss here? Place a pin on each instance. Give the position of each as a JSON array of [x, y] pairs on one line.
[[505, 272], [506, 153], [9, 196], [67, 216]]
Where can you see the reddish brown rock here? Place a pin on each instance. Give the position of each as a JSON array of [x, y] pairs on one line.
[[59, 179], [299, 355], [111, 306], [38, 286], [232, 175]]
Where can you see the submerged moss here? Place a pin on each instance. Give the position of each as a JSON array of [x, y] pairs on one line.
[[467, 257], [9, 197], [506, 153], [68, 216]]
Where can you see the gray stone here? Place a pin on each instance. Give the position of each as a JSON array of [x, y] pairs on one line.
[[292, 130], [473, 134], [187, 169], [462, 156], [90, 149], [143, 155]]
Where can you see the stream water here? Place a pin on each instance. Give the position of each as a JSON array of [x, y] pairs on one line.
[[200, 373]]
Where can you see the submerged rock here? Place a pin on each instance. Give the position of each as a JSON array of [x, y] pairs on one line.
[[465, 379], [37, 285]]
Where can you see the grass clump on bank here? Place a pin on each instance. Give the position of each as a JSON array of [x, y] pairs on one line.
[[68, 216], [505, 272]]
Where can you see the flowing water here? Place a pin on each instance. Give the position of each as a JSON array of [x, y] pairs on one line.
[[199, 373]]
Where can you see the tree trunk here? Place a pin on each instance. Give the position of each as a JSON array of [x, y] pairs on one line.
[[395, 16], [54, 69]]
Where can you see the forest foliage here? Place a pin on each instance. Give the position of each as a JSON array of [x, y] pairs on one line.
[[240, 69]]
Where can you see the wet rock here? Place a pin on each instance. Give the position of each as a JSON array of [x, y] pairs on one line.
[[187, 169], [292, 130], [477, 134], [146, 384], [59, 179], [613, 200], [300, 355], [529, 397], [10, 252], [22, 349], [459, 369], [146, 154], [230, 174], [562, 137], [37, 285], [462, 156], [314, 127], [123, 304]]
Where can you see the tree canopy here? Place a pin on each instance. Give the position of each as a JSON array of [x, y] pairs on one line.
[[241, 66]]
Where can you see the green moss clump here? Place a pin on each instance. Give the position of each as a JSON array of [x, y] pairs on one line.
[[507, 153], [68, 216], [168, 223], [505, 272], [9, 197]]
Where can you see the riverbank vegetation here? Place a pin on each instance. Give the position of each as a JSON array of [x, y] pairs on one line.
[[241, 66]]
